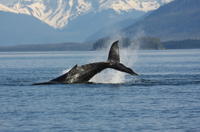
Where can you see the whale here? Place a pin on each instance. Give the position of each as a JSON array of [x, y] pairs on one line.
[[83, 73]]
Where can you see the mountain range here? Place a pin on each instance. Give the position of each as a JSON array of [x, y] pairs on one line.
[[58, 21], [178, 20], [58, 13]]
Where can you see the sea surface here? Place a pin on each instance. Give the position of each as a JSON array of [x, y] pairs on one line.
[[165, 97]]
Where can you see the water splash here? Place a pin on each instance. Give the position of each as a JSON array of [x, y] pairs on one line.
[[65, 71], [128, 57]]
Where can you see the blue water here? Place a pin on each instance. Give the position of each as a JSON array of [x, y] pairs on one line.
[[164, 98]]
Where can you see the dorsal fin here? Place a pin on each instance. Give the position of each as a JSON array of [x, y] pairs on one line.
[[114, 53], [62, 78]]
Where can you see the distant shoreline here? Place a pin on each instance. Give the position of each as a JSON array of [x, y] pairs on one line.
[[168, 45]]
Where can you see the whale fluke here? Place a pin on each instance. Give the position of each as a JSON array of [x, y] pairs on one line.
[[114, 53]]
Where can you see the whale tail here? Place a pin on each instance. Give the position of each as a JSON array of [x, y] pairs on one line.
[[114, 60], [82, 74]]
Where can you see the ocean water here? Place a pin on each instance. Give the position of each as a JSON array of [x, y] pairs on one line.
[[165, 97]]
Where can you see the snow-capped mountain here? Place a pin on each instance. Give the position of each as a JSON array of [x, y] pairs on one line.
[[58, 13]]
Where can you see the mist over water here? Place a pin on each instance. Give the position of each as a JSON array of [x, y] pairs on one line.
[[128, 57]]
